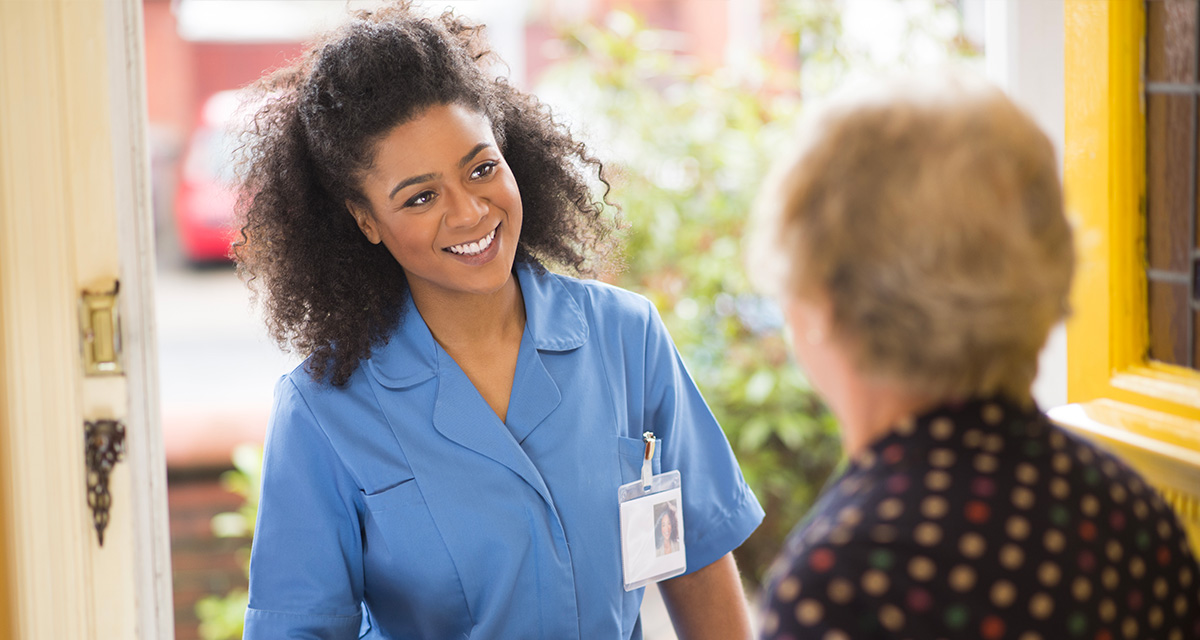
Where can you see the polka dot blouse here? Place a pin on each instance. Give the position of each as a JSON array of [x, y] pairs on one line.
[[985, 521]]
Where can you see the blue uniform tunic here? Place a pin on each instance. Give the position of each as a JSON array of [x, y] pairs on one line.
[[402, 506]]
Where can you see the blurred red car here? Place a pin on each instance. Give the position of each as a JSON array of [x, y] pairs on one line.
[[205, 198]]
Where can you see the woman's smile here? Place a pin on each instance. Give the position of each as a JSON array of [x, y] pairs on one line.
[[473, 248]]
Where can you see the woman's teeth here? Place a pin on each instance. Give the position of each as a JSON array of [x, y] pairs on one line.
[[473, 248]]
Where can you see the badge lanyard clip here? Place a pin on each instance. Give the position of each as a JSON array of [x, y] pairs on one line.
[[647, 471]]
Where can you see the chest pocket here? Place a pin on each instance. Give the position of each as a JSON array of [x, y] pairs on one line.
[[632, 451], [413, 589]]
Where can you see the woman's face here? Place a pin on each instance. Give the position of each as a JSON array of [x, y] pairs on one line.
[[445, 204], [666, 528], [808, 323]]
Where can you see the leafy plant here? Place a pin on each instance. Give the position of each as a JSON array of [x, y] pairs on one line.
[[221, 617], [691, 149]]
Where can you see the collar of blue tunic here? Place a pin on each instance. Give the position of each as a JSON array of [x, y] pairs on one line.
[[553, 320]]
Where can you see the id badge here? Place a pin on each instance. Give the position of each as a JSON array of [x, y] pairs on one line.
[[651, 525]]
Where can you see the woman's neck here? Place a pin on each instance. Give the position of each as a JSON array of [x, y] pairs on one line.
[[869, 409], [463, 321]]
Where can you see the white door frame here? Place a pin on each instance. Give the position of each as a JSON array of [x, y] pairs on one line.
[[1024, 53], [135, 228]]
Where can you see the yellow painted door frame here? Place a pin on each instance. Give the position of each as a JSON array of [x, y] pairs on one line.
[[1148, 411], [74, 215], [1106, 185]]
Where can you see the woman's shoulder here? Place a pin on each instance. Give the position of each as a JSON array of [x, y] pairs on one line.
[[606, 300], [301, 385]]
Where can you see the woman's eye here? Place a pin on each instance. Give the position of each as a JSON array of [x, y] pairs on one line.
[[425, 197], [484, 170]]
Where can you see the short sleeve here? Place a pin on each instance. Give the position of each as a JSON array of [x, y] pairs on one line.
[[306, 577], [719, 509]]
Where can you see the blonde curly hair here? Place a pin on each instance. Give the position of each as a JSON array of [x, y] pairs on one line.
[[930, 214]]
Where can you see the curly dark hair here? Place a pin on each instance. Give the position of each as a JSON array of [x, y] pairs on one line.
[[326, 291]]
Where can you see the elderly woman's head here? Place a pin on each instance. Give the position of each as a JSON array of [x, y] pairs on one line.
[[928, 222]]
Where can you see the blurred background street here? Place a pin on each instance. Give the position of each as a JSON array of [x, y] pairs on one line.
[[218, 367]]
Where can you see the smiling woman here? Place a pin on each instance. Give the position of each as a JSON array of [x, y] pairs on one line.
[[447, 461], [313, 154], [452, 222]]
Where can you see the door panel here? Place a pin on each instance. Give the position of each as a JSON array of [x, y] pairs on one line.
[[74, 215]]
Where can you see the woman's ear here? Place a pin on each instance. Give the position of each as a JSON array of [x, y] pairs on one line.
[[810, 320], [366, 221]]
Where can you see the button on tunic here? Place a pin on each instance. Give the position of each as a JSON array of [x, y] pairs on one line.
[[401, 506]]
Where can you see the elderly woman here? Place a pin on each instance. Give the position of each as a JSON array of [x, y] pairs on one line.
[[448, 460], [919, 249]]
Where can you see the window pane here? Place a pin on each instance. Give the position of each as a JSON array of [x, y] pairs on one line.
[[1169, 139], [1171, 40], [1172, 232], [1169, 317]]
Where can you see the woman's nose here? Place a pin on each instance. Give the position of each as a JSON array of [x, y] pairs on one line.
[[466, 209]]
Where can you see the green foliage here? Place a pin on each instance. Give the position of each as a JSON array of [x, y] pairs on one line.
[[221, 617], [691, 149]]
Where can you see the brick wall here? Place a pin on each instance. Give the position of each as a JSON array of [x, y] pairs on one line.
[[202, 563]]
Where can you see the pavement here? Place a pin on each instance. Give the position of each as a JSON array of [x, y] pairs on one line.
[[656, 623], [217, 367]]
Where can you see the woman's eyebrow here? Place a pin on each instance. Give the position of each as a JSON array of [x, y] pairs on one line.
[[472, 153], [430, 176], [413, 180]]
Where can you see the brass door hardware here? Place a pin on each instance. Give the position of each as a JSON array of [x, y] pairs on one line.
[[100, 332], [104, 442]]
